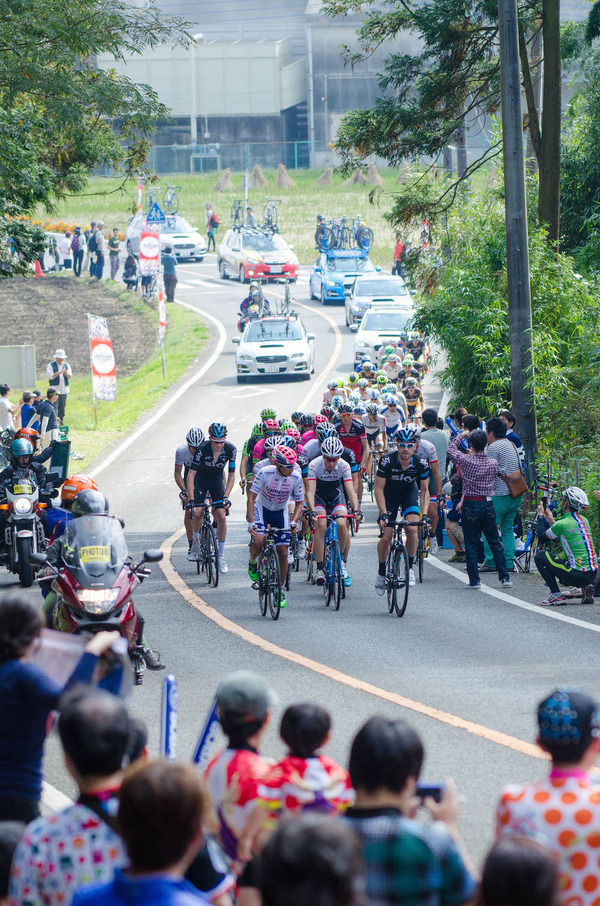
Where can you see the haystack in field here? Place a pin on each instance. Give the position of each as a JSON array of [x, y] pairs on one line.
[[284, 180], [258, 177], [373, 177], [326, 178], [358, 178], [224, 182]]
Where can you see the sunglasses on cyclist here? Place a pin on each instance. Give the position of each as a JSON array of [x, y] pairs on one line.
[[331, 458], [409, 444]]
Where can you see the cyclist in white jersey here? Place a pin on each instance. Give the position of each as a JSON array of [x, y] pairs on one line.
[[393, 368], [272, 489], [183, 459], [394, 416], [426, 450]]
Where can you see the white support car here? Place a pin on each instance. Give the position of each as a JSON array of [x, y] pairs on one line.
[[274, 347], [375, 289], [184, 239], [377, 328]]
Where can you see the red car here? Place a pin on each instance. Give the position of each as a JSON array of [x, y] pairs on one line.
[[249, 254]]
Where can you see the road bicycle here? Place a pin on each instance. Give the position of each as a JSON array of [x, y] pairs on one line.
[[343, 234], [396, 571], [422, 543], [237, 212], [270, 214], [208, 557], [309, 554], [170, 200], [372, 472], [332, 564], [269, 576], [293, 559]]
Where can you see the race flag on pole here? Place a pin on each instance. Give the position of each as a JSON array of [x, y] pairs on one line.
[[149, 252], [140, 192], [162, 311], [104, 371]]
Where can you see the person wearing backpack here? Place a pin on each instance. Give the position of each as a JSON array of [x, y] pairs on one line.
[[78, 245], [213, 225], [90, 238]]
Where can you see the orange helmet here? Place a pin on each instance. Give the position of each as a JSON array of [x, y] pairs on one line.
[[29, 434], [74, 485]]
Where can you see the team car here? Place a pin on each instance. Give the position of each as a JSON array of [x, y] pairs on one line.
[[247, 254], [377, 327], [275, 346], [176, 231], [375, 289], [334, 272]]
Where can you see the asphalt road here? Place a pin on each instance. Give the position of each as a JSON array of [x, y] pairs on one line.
[[465, 668]]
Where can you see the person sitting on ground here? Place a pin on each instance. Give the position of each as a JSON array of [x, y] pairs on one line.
[[518, 872], [162, 805], [562, 811], [303, 780], [579, 566], [407, 861], [130, 267], [311, 861]]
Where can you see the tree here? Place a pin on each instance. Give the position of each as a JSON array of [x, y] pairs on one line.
[[61, 116], [452, 81]]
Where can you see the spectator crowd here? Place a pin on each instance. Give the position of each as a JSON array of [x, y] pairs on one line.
[[303, 831]]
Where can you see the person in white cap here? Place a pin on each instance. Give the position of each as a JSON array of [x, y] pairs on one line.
[[59, 374]]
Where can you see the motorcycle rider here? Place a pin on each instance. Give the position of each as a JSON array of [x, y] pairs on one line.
[[34, 438], [254, 297], [90, 502], [22, 461], [59, 517]]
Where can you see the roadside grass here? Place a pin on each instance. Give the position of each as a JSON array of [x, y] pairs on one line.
[[297, 211], [186, 334]]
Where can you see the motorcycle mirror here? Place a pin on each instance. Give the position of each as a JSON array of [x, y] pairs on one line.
[[153, 555], [38, 559]]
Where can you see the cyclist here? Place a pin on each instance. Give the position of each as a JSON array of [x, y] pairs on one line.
[[409, 370], [206, 479], [329, 413], [327, 477], [183, 458], [297, 418], [579, 565], [402, 482], [272, 490], [246, 463], [254, 298], [270, 428], [393, 368], [428, 452], [307, 428], [333, 389], [368, 371], [384, 353], [394, 416], [414, 398], [352, 381], [353, 436], [363, 390]]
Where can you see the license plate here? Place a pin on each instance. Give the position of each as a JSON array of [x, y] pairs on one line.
[[272, 369], [276, 269], [22, 489]]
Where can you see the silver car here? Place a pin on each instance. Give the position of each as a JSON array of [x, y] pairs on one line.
[[184, 239], [377, 328], [275, 346], [375, 289]]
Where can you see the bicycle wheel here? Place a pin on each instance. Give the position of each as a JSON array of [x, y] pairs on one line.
[[273, 584], [364, 238], [328, 587], [372, 477], [336, 574], [263, 602], [421, 551], [400, 580], [389, 581], [324, 238], [211, 556]]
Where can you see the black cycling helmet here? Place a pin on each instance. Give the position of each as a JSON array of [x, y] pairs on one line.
[[297, 416], [89, 502], [217, 430], [345, 408], [308, 420]]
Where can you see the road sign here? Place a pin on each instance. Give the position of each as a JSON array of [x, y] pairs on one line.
[[155, 215]]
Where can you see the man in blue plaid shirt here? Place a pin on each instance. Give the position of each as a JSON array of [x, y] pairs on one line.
[[407, 861]]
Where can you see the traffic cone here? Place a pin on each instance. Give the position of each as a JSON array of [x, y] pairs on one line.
[[38, 269]]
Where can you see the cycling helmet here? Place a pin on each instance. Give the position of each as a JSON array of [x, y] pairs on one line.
[[270, 425], [358, 368], [345, 408], [390, 399], [576, 498], [372, 409], [321, 431], [408, 435], [382, 379], [337, 401], [194, 437], [408, 359], [267, 413], [328, 411], [217, 430], [282, 422], [354, 397], [367, 365], [290, 442], [21, 448], [308, 420], [373, 394], [332, 385], [292, 432], [411, 382], [359, 409], [74, 485], [29, 434], [297, 416], [332, 447], [394, 359], [257, 430], [416, 428], [388, 350], [89, 502], [328, 431], [284, 456], [363, 383], [320, 419], [340, 383], [271, 443], [353, 378]]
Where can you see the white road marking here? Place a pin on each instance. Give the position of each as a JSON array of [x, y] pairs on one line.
[[182, 390]]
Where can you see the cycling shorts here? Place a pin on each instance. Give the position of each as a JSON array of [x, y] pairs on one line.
[[279, 519], [334, 505], [213, 489], [392, 431], [407, 501]]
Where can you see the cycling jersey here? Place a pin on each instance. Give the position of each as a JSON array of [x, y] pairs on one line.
[[393, 417], [414, 396], [427, 452], [397, 477], [183, 457], [304, 459], [373, 429], [330, 394], [311, 450], [574, 534], [393, 372], [351, 437], [328, 483], [364, 395], [258, 452], [204, 463], [274, 490], [306, 436]]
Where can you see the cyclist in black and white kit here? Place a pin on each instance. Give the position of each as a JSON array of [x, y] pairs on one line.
[[183, 460], [327, 477], [206, 478], [402, 483]]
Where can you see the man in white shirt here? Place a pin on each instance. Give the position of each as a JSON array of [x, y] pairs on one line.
[[59, 374], [7, 410]]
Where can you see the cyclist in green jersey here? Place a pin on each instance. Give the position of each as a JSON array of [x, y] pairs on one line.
[[578, 567]]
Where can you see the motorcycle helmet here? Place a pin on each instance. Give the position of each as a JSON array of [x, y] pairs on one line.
[[217, 431], [21, 452], [88, 503], [29, 434], [194, 437], [73, 486]]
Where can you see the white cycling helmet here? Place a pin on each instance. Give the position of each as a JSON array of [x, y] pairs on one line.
[[271, 443], [194, 437], [576, 498], [332, 447]]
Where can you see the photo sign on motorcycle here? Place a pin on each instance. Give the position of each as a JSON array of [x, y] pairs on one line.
[[104, 371]]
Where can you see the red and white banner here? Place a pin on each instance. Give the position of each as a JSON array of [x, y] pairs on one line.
[[149, 252], [104, 369], [140, 192], [162, 312]]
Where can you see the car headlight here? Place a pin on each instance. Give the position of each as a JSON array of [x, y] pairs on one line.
[[243, 357], [22, 506], [298, 355], [98, 600], [362, 344]]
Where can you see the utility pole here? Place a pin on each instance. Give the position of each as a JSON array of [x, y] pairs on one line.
[[522, 375]]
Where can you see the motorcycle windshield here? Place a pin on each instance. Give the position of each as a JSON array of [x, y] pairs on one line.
[[94, 550]]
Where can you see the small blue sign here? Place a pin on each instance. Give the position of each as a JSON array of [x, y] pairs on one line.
[[346, 253], [155, 215]]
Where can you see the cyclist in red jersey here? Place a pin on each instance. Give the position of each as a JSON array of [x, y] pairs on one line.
[[353, 435]]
